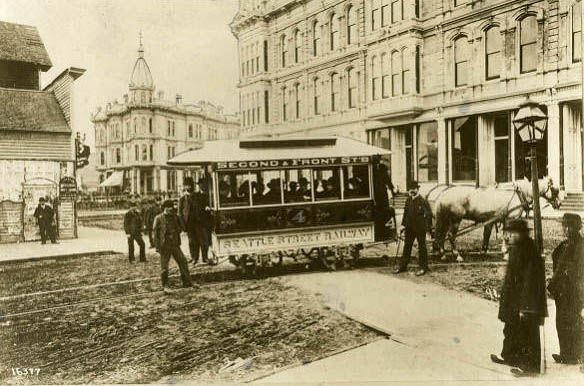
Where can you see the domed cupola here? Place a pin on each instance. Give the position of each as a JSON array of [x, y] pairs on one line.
[[141, 84]]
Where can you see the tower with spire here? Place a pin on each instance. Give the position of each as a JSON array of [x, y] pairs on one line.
[[141, 84]]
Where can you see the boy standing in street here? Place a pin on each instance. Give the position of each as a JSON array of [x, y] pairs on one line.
[[133, 229], [167, 229]]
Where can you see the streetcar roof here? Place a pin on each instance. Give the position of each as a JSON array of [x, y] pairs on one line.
[[276, 149]]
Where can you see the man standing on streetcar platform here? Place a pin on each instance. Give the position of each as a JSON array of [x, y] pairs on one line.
[[522, 304], [416, 221]]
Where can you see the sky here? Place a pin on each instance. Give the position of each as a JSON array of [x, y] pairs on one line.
[[188, 46]]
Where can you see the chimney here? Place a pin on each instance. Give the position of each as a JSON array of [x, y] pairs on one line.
[[160, 95], [178, 99], [126, 98], [62, 87]]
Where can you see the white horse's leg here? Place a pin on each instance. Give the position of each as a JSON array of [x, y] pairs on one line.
[[453, 232]]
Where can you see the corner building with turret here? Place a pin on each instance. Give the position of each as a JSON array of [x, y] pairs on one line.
[[437, 82], [134, 138]]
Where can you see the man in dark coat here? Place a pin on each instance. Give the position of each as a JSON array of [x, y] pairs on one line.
[[167, 229], [202, 221], [522, 304], [417, 220], [567, 288], [383, 211], [153, 210], [133, 229], [187, 218], [45, 214]]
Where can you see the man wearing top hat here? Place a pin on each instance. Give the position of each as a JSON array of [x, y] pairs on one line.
[[45, 214], [567, 288], [522, 304], [416, 221]]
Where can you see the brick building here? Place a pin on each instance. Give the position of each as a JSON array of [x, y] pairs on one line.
[[135, 138], [435, 81], [36, 145]]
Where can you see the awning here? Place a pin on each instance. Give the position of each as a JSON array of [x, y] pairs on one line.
[[116, 179]]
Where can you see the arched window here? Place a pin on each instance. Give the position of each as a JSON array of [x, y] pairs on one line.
[[298, 98], [316, 84], [577, 32], [284, 49], [150, 125], [406, 73], [335, 89], [395, 73], [297, 46], [492, 53], [351, 88], [102, 158], [384, 76], [461, 61], [315, 38], [375, 15], [397, 10], [334, 32], [385, 13], [528, 44], [374, 78], [284, 104], [351, 25]]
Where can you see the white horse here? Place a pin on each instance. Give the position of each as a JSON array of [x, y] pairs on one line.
[[453, 203]]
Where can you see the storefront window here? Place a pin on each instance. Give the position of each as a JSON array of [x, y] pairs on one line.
[[427, 137], [326, 184], [464, 149], [502, 148], [297, 187], [233, 189], [356, 181]]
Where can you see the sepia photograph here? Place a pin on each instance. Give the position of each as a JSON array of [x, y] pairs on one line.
[[291, 192]]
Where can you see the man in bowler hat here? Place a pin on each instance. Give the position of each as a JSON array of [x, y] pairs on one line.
[[567, 288], [133, 229], [416, 221], [167, 229], [522, 304], [45, 214]]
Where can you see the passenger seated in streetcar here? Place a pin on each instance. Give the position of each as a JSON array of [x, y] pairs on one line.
[[258, 192], [273, 196], [330, 188], [304, 189], [243, 192], [224, 191], [351, 188], [293, 189]]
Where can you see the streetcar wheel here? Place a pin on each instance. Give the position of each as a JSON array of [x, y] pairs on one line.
[[327, 259]]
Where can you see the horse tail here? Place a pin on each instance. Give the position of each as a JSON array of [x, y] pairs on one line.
[[442, 226]]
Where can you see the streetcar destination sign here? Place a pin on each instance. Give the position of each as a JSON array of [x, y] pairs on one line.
[[285, 163], [294, 239]]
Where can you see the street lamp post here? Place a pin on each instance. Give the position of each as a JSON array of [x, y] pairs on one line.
[[531, 123]]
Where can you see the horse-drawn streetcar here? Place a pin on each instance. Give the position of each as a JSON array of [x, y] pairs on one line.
[[290, 197]]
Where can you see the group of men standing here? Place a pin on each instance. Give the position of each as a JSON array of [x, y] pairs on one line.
[[522, 302], [164, 224]]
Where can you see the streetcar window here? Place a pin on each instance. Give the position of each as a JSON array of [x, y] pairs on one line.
[[266, 187], [233, 189], [356, 181], [326, 184], [297, 186]]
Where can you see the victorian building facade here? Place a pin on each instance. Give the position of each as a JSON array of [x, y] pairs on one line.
[[135, 138], [437, 82]]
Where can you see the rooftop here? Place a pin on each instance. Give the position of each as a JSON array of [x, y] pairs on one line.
[[22, 43], [29, 110]]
